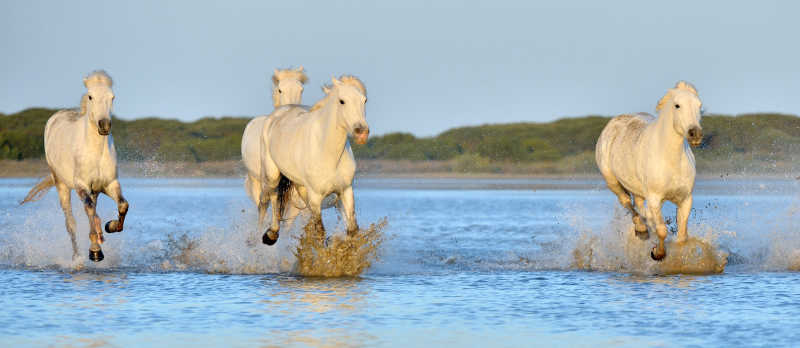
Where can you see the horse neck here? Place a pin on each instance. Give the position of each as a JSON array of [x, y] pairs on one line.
[[666, 136], [332, 135], [93, 140]]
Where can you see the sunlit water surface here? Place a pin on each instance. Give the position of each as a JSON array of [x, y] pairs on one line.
[[501, 263]]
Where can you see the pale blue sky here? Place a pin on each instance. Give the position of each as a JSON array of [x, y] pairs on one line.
[[428, 65]]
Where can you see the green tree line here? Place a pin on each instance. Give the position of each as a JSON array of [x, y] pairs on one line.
[[763, 137]]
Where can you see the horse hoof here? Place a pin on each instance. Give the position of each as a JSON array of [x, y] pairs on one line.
[[267, 240], [659, 257], [96, 256], [642, 235], [110, 228]]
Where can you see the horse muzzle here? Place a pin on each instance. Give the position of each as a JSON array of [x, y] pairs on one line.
[[695, 136], [360, 135], [104, 127]]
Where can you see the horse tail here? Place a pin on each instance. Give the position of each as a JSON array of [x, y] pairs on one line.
[[38, 191], [284, 186]]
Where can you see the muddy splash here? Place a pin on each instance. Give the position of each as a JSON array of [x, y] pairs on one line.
[[616, 248], [342, 255]]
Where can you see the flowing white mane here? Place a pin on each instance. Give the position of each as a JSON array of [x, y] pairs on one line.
[[347, 80], [97, 78], [284, 74], [681, 85]]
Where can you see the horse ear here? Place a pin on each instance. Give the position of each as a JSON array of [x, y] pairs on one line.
[[686, 86], [85, 82], [300, 68], [275, 77], [326, 89], [336, 81]]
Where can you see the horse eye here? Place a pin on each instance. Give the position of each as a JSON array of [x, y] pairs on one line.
[[90, 97], [677, 106], [279, 91], [341, 101]]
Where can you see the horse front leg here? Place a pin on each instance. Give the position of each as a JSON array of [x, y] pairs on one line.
[[349, 210], [114, 191], [292, 211], [314, 204], [684, 208], [89, 200], [656, 221]]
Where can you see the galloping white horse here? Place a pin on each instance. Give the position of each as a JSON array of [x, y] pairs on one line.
[[649, 158], [81, 156], [308, 150], [287, 89]]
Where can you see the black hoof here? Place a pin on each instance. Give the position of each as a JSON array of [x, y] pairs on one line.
[[96, 256], [267, 240], [109, 230], [653, 255]]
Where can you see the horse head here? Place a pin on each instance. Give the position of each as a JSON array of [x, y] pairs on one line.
[[287, 86], [97, 101], [684, 104], [350, 96]]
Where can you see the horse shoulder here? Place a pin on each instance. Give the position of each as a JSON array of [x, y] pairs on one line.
[[347, 166]]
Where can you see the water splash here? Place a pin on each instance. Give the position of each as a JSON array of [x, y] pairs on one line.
[[615, 247], [342, 256]]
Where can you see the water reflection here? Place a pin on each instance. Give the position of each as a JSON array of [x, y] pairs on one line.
[[316, 295], [336, 337]]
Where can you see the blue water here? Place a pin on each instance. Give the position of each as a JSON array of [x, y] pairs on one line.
[[467, 262]]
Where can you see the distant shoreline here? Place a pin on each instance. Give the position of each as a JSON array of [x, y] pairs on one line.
[[401, 169]]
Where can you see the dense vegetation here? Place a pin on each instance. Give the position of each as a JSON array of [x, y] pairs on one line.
[[745, 140]]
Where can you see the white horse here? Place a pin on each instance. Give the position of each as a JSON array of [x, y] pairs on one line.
[[287, 89], [307, 150], [81, 156], [649, 158]]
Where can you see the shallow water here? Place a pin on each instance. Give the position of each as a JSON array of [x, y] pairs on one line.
[[465, 262]]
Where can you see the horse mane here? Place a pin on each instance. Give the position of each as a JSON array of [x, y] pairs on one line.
[[97, 77], [681, 85], [296, 74], [347, 80], [355, 82]]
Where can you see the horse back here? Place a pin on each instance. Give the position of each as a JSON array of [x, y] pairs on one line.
[[59, 143], [618, 148]]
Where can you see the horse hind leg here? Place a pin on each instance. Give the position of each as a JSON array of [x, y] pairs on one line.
[[65, 199], [624, 198], [257, 193], [278, 198], [639, 224]]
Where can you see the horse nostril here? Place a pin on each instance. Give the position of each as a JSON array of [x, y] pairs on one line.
[[104, 125]]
